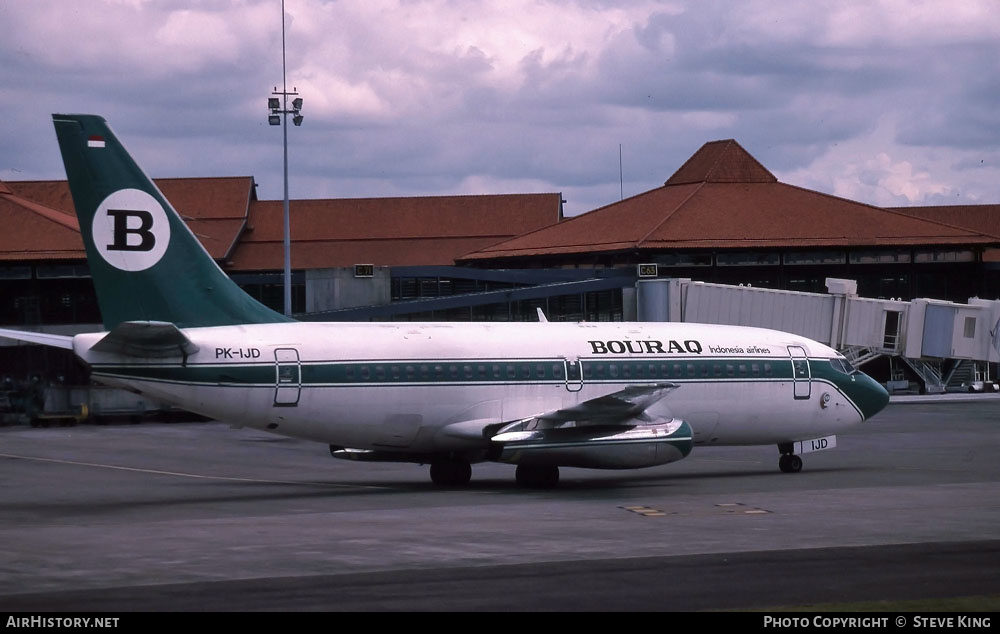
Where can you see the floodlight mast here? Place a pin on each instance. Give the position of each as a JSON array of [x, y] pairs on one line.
[[280, 107]]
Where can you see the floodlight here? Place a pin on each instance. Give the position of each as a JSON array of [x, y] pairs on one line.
[[297, 119], [273, 103], [297, 103], [274, 119]]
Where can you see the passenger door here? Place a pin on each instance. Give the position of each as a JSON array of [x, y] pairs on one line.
[[288, 377], [801, 372]]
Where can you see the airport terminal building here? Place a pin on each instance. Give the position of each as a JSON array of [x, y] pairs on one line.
[[721, 218]]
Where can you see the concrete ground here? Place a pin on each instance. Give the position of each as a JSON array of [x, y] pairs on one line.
[[203, 517]]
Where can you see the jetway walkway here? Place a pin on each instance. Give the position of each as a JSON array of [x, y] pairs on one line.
[[925, 334]]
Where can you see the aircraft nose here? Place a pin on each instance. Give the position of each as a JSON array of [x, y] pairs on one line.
[[872, 397]]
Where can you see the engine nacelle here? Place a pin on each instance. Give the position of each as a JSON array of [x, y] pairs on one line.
[[630, 446]]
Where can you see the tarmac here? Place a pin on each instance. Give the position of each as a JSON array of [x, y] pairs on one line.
[[198, 516]]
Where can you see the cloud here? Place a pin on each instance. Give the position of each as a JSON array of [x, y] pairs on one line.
[[440, 96], [878, 170]]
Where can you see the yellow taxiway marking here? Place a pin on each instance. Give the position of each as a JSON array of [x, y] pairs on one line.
[[732, 508], [185, 475], [645, 511], [740, 507]]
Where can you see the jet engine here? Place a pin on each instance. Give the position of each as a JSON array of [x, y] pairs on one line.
[[629, 445]]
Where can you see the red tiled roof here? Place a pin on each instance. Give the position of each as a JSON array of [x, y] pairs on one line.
[[980, 218], [326, 233], [36, 232], [721, 162], [723, 198], [388, 231], [214, 208]]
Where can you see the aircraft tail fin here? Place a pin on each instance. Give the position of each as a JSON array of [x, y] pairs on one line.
[[145, 262]]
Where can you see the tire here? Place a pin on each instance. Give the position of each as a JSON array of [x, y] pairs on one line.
[[537, 476], [451, 473]]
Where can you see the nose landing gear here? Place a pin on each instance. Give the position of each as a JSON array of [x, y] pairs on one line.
[[790, 463]]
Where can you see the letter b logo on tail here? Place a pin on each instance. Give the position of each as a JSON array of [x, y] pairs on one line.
[[124, 234], [131, 230]]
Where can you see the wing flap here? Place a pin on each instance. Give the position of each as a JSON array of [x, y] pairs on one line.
[[146, 339], [623, 404]]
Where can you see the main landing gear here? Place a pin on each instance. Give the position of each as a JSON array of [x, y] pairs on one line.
[[451, 472], [537, 476], [457, 472], [789, 462]]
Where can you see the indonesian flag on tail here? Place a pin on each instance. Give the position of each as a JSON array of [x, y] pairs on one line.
[[95, 140]]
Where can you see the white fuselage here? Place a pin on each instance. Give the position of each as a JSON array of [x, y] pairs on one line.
[[434, 386]]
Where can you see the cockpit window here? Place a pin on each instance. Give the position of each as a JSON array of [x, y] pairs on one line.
[[843, 365]]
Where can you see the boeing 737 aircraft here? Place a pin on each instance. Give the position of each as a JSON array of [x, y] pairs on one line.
[[537, 395]]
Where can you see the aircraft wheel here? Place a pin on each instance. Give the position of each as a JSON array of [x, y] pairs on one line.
[[790, 463], [532, 476], [451, 473]]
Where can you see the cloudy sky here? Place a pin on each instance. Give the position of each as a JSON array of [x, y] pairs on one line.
[[890, 102]]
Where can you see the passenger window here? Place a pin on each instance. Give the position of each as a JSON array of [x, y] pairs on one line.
[[730, 370], [539, 371], [379, 372], [366, 372], [613, 371], [410, 372], [768, 370], [467, 371], [557, 370], [349, 372]]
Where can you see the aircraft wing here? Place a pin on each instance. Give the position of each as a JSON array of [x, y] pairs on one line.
[[621, 405], [608, 432], [146, 339], [43, 338]]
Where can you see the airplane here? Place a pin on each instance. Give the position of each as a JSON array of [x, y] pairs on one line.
[[536, 395]]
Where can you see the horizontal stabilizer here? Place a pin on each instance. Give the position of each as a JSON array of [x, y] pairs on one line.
[[43, 338], [146, 339]]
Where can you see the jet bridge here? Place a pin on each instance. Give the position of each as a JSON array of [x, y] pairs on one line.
[[938, 340]]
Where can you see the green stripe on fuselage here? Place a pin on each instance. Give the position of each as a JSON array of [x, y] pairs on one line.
[[472, 372]]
